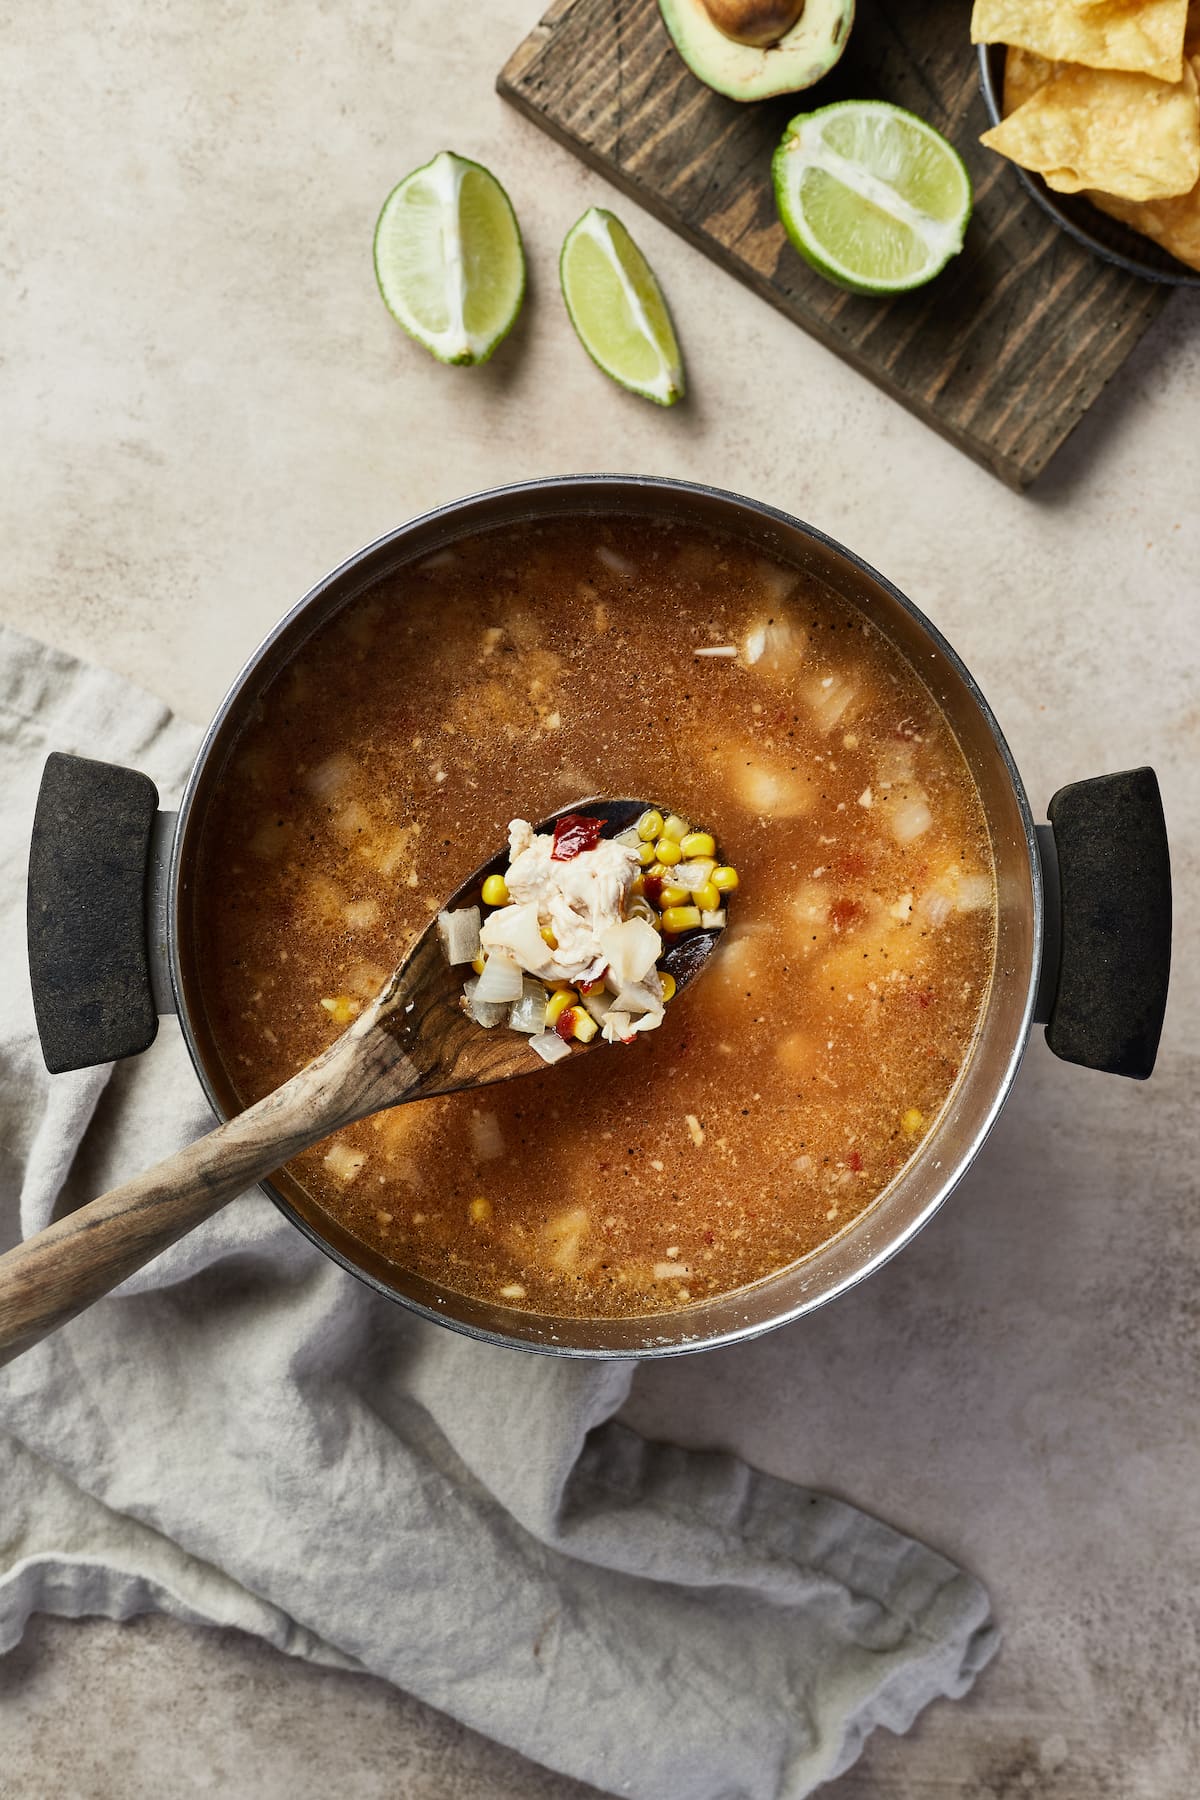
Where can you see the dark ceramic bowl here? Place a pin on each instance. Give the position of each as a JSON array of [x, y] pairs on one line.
[[1107, 238]]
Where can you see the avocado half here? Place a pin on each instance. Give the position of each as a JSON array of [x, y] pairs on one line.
[[747, 70]]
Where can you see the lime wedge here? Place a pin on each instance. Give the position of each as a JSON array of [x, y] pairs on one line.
[[617, 308], [448, 258], [873, 197]]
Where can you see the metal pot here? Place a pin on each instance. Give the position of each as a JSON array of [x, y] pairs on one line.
[[1083, 936]]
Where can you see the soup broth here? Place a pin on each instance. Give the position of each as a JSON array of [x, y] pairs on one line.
[[505, 677]]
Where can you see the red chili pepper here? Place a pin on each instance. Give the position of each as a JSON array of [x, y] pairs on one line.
[[573, 834], [854, 1162], [565, 1024]]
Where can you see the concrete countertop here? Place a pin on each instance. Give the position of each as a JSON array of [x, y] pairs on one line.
[[205, 407]]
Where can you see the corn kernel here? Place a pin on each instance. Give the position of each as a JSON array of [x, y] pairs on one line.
[[912, 1121], [675, 828], [480, 1209], [585, 1027], [646, 854], [725, 879], [681, 918], [495, 891], [342, 1009], [649, 825], [656, 871], [548, 937], [667, 851], [673, 896], [478, 963], [709, 897], [699, 843], [668, 984], [557, 1005], [637, 886]]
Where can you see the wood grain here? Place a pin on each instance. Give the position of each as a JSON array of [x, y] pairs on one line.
[[1002, 354]]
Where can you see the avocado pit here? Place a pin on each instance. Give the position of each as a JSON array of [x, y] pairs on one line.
[[760, 23]]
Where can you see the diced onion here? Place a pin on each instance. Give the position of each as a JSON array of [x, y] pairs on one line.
[[484, 1012], [935, 905], [617, 1025], [909, 819], [529, 1012], [550, 1047], [631, 950], [458, 933], [630, 839], [974, 892], [776, 647], [331, 776], [713, 921], [620, 565], [487, 1141], [501, 979], [640, 996], [343, 1162], [598, 1005], [693, 875], [830, 698]]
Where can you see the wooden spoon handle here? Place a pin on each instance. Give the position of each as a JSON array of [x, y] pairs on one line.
[[57, 1273]]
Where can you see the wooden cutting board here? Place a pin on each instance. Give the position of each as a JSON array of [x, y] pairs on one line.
[[1003, 353]]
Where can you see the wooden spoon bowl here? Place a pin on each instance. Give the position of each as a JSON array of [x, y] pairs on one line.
[[414, 1040]]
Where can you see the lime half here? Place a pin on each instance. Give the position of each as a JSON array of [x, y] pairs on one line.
[[617, 308], [873, 197], [448, 258]]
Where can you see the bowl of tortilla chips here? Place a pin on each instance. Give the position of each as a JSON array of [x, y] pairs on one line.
[[1097, 104]]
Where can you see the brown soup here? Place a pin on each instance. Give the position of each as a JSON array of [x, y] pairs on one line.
[[506, 677]]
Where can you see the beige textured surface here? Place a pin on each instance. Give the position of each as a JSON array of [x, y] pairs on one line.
[[205, 405]]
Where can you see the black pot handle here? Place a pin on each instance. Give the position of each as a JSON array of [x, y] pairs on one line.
[[1108, 922], [89, 904]]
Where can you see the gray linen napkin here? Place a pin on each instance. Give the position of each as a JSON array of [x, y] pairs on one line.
[[244, 1435]]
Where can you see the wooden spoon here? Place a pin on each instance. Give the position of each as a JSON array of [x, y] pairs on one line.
[[412, 1041]]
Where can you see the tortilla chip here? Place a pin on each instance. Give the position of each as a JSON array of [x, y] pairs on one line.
[[1024, 73], [1141, 36], [1128, 135], [1191, 35], [1175, 224]]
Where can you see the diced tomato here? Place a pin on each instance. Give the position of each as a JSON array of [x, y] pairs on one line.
[[652, 887], [573, 834], [854, 1162], [565, 1024]]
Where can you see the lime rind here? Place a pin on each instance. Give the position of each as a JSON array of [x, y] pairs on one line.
[[449, 259], [813, 177], [617, 308]]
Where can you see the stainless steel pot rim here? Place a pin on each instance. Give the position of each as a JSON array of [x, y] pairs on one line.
[[592, 489]]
